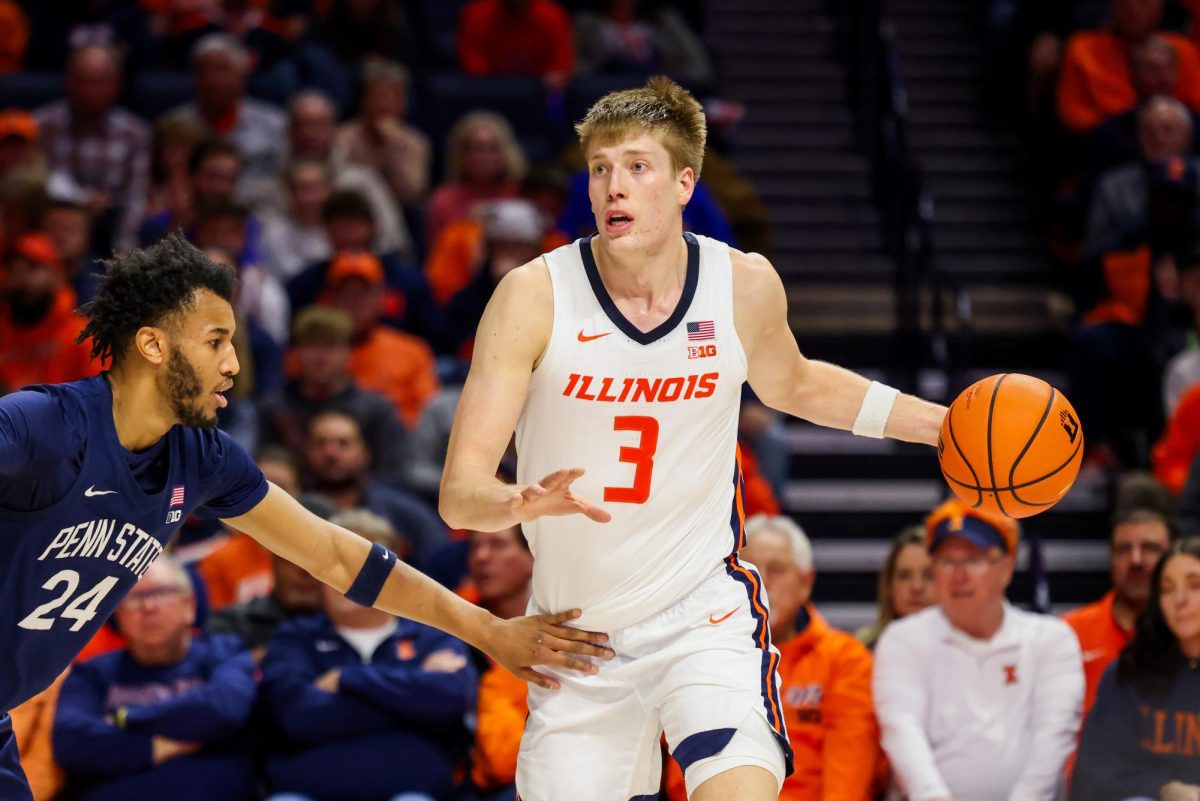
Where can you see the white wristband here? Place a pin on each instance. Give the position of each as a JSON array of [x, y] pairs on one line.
[[875, 410]]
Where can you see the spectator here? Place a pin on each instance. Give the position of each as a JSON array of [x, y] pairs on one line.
[[214, 169], [1154, 70], [1180, 442], [294, 593], [379, 138], [905, 583], [159, 719], [312, 126], [517, 37], [397, 365], [512, 234], [170, 176], [975, 676], [825, 673], [500, 567], [14, 37], [456, 256], [1096, 81], [1139, 537], [38, 321], [105, 149], [336, 462], [225, 224], [641, 38], [295, 237], [321, 345], [33, 722], [21, 158], [408, 304], [371, 705], [1121, 209], [68, 223], [220, 67], [1140, 739], [240, 569], [483, 163]]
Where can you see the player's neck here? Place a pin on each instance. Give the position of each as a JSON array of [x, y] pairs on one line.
[[140, 415], [649, 275]]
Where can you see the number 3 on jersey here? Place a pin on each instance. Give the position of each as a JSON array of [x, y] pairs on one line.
[[641, 457]]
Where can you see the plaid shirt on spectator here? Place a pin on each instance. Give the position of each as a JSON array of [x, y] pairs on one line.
[[113, 157]]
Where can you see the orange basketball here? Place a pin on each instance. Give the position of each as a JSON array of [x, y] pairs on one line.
[[1011, 444]]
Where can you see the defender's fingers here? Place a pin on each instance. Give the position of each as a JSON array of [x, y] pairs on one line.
[[540, 679], [576, 645]]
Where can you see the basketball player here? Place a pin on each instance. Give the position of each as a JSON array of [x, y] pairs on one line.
[[96, 475], [625, 353]]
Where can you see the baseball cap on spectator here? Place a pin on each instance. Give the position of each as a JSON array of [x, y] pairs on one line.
[[984, 529], [322, 325], [38, 249], [364, 266], [513, 221], [18, 123]]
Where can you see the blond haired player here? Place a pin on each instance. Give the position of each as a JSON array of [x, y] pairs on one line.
[[625, 353]]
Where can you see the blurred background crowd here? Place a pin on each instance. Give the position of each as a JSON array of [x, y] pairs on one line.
[[950, 188]]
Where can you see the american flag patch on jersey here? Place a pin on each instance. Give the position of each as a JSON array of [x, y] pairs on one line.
[[698, 332], [177, 495]]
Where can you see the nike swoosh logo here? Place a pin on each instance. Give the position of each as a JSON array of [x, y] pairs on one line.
[[722, 618], [92, 492], [589, 337]]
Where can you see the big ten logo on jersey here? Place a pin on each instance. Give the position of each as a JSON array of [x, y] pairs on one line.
[[701, 351], [805, 699], [174, 516]]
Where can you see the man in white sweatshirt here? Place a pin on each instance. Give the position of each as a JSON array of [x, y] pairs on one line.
[[977, 700]]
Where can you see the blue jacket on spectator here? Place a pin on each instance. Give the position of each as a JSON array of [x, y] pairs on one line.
[[392, 727], [1132, 745], [205, 698]]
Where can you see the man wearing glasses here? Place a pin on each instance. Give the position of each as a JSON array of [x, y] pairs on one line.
[[976, 699], [161, 718]]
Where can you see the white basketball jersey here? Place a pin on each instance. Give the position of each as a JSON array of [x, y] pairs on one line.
[[652, 418]]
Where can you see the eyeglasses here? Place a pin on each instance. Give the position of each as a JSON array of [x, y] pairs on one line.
[[136, 601], [973, 565]]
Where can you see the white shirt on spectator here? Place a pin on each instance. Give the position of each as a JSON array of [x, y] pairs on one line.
[[978, 720]]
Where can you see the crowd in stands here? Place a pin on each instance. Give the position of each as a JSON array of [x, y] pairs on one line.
[[370, 169]]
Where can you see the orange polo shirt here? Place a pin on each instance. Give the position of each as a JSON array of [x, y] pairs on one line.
[[1095, 82], [1100, 640], [1173, 453], [501, 722], [33, 722], [826, 676]]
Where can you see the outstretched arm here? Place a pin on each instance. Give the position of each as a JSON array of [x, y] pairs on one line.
[[816, 391], [335, 556]]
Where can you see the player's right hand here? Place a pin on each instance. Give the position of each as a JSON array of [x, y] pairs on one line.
[[552, 496]]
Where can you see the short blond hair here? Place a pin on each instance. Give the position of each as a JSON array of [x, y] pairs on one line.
[[661, 107]]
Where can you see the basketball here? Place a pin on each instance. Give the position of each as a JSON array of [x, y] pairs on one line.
[[1011, 444]]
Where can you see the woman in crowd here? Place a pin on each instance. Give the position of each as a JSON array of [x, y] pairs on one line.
[[483, 163], [905, 583], [1139, 741]]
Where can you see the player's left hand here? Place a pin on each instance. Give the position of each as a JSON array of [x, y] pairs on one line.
[[522, 642]]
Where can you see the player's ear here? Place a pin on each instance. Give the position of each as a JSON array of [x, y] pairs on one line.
[[150, 342], [687, 185]]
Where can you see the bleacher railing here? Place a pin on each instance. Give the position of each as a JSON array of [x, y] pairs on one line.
[[879, 101]]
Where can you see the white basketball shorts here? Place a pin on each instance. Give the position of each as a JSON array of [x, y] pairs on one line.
[[703, 671]]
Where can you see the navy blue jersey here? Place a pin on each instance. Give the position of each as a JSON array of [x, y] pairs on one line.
[[81, 518]]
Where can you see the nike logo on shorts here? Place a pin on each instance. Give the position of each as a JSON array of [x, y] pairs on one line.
[[92, 492], [589, 337], [715, 620]]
